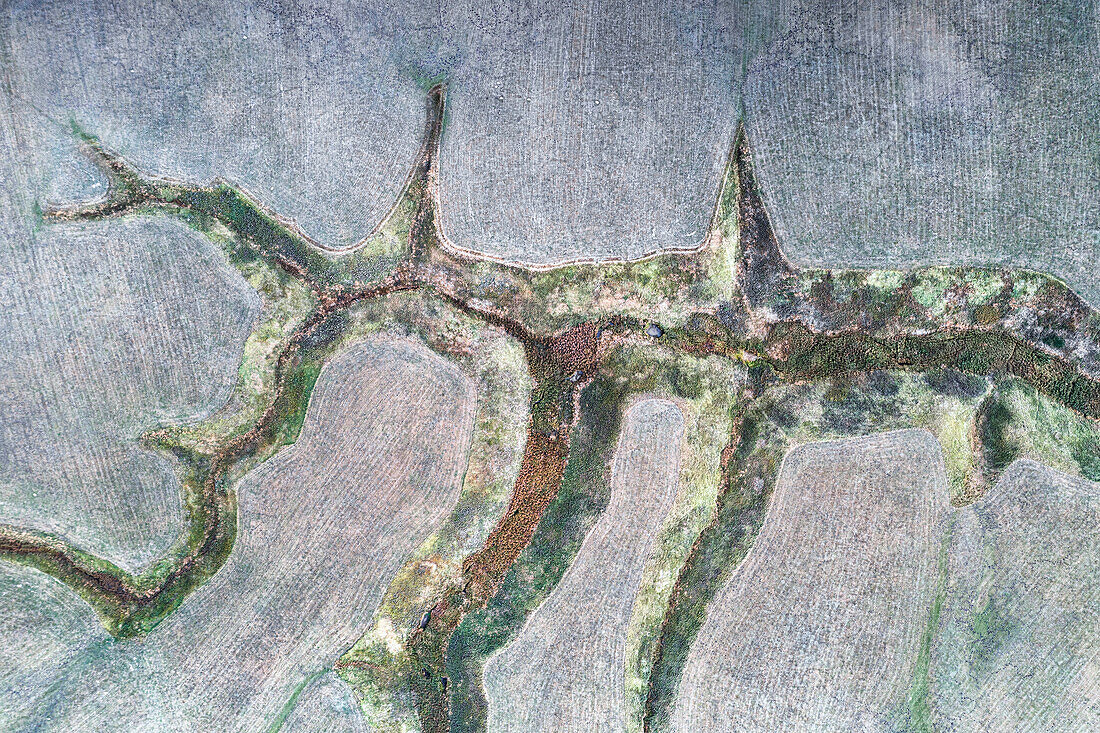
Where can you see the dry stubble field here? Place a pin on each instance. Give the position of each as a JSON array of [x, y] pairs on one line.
[[819, 627], [1021, 622], [106, 335], [934, 140]]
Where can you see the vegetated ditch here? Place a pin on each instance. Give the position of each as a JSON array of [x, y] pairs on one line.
[[573, 417]]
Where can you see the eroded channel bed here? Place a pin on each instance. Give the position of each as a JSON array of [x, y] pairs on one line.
[[755, 356]]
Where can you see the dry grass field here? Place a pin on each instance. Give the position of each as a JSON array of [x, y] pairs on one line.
[[906, 134], [610, 121], [324, 525], [1017, 650], [316, 112], [821, 624], [410, 488], [110, 329], [44, 628], [587, 131], [565, 670]]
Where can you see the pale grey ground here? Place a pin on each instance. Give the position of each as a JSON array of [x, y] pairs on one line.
[[885, 134], [313, 109], [1026, 554], [105, 330], [565, 670], [327, 705], [108, 330], [931, 132], [820, 626], [900, 135], [588, 130], [43, 627], [324, 526], [591, 131]]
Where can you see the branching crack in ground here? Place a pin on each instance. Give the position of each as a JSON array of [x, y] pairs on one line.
[[784, 324]]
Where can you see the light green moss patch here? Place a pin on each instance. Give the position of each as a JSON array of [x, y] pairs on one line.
[[1050, 433], [931, 288]]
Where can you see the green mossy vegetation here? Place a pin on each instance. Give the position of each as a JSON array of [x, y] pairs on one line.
[[584, 493], [990, 627], [288, 708], [706, 391], [1029, 424], [719, 549]]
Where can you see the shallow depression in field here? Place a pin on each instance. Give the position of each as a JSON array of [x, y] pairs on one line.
[[1017, 650]]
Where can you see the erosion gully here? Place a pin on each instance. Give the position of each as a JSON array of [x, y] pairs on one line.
[[788, 345]]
